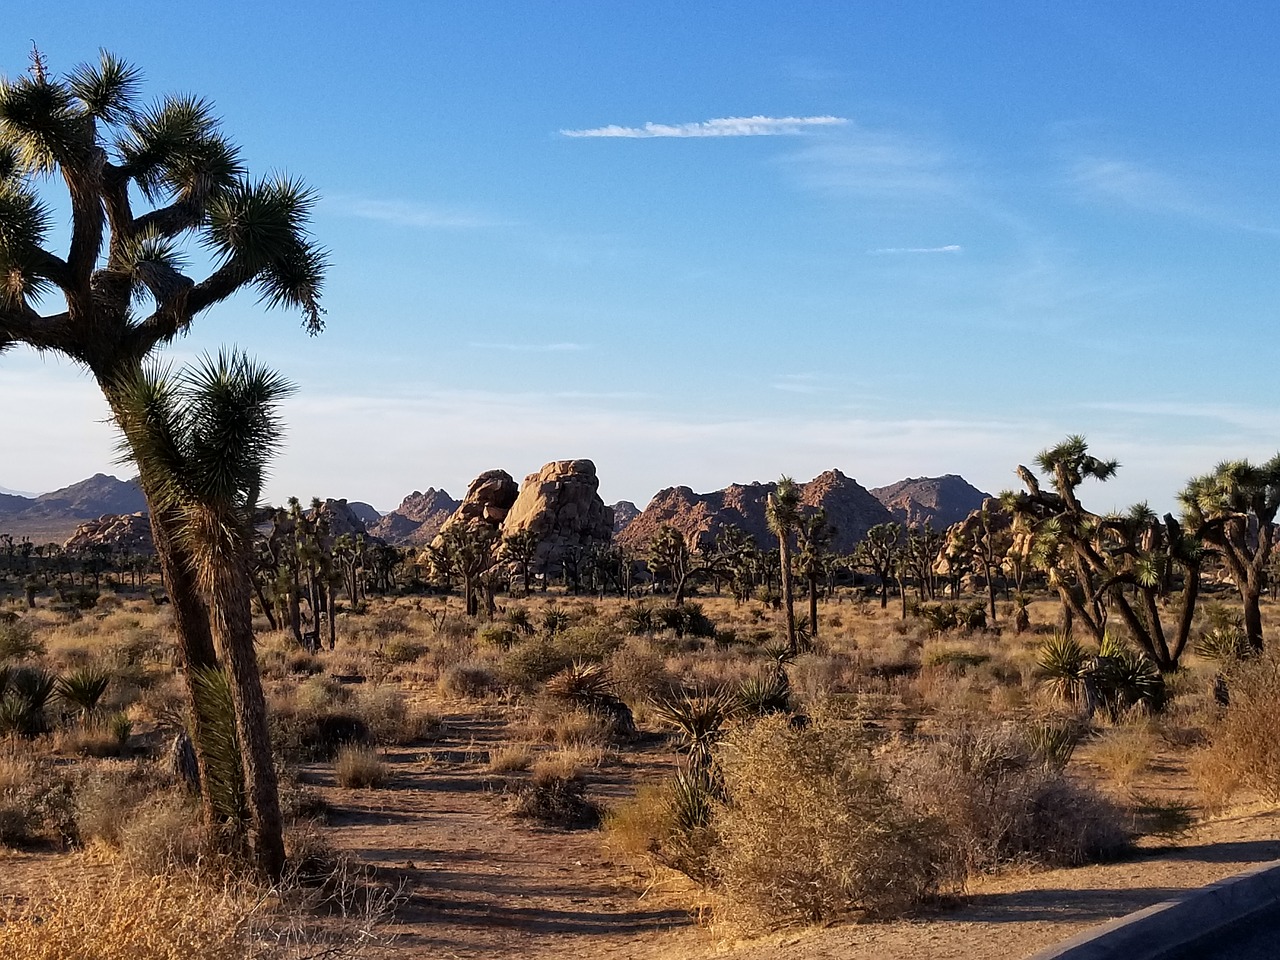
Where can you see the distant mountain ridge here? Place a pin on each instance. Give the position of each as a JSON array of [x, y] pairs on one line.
[[417, 520], [54, 516], [940, 501], [851, 510]]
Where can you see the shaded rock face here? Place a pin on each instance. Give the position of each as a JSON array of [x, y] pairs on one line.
[[624, 511], [851, 509], [940, 501], [561, 504], [342, 519], [123, 533], [963, 531], [487, 502], [366, 512], [418, 518]]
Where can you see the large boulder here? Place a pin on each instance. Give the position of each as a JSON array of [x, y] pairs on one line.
[[561, 504], [488, 499], [340, 517]]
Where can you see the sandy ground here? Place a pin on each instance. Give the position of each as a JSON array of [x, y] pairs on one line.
[[478, 883]]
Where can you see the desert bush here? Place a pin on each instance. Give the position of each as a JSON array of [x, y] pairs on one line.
[[1123, 752], [948, 615], [305, 736], [391, 719], [358, 766], [162, 833], [640, 673], [1002, 803], [107, 798], [18, 640], [554, 799], [499, 635], [533, 663], [810, 830], [469, 680], [1244, 744], [588, 643], [400, 649]]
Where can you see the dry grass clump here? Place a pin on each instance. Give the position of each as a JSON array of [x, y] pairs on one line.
[[1004, 800], [1244, 745], [810, 830], [467, 681], [180, 915], [1124, 752], [358, 766], [511, 758]]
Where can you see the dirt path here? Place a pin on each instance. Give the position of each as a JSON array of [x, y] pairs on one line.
[[479, 883]]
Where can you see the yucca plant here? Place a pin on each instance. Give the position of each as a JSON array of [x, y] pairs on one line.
[[519, 619], [1063, 663], [83, 689], [1126, 677], [700, 719], [639, 619], [590, 685], [759, 696], [1224, 646], [691, 802], [554, 621], [1053, 741]]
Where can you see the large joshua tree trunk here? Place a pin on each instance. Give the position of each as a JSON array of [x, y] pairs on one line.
[[231, 620], [195, 641]]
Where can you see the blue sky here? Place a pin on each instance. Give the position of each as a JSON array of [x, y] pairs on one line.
[[899, 238]]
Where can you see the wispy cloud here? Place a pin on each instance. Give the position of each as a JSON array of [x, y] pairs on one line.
[[1151, 190], [409, 213], [532, 347], [949, 248], [876, 163], [757, 126]]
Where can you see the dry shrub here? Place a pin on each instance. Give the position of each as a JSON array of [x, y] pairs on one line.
[[565, 724], [391, 718], [179, 916], [467, 681], [162, 833], [107, 799], [1003, 803], [360, 767], [810, 830], [554, 799], [639, 673], [1244, 747], [1123, 752]]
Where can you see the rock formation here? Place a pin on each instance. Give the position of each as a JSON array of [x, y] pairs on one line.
[[123, 533], [940, 501], [418, 518], [487, 502], [624, 511], [342, 519], [851, 509], [53, 517], [561, 504]]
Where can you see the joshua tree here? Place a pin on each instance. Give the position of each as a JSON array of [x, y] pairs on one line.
[[815, 556], [1234, 509], [123, 280], [878, 552], [467, 550], [670, 558], [782, 512], [521, 548], [204, 437]]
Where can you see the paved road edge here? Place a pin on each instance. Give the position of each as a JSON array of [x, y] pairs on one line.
[[1152, 933]]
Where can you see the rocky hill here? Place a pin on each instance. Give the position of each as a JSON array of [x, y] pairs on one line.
[[940, 501], [364, 512], [54, 517], [851, 509], [417, 520], [624, 511]]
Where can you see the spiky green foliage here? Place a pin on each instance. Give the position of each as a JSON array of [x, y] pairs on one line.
[[1063, 662], [699, 718], [223, 760], [762, 695], [1053, 741], [83, 689], [26, 695]]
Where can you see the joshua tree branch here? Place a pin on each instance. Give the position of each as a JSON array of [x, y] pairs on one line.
[[24, 325], [185, 300]]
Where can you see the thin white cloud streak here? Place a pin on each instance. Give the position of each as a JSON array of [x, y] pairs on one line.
[[949, 248], [1150, 190], [876, 163], [532, 347], [757, 126], [408, 213]]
